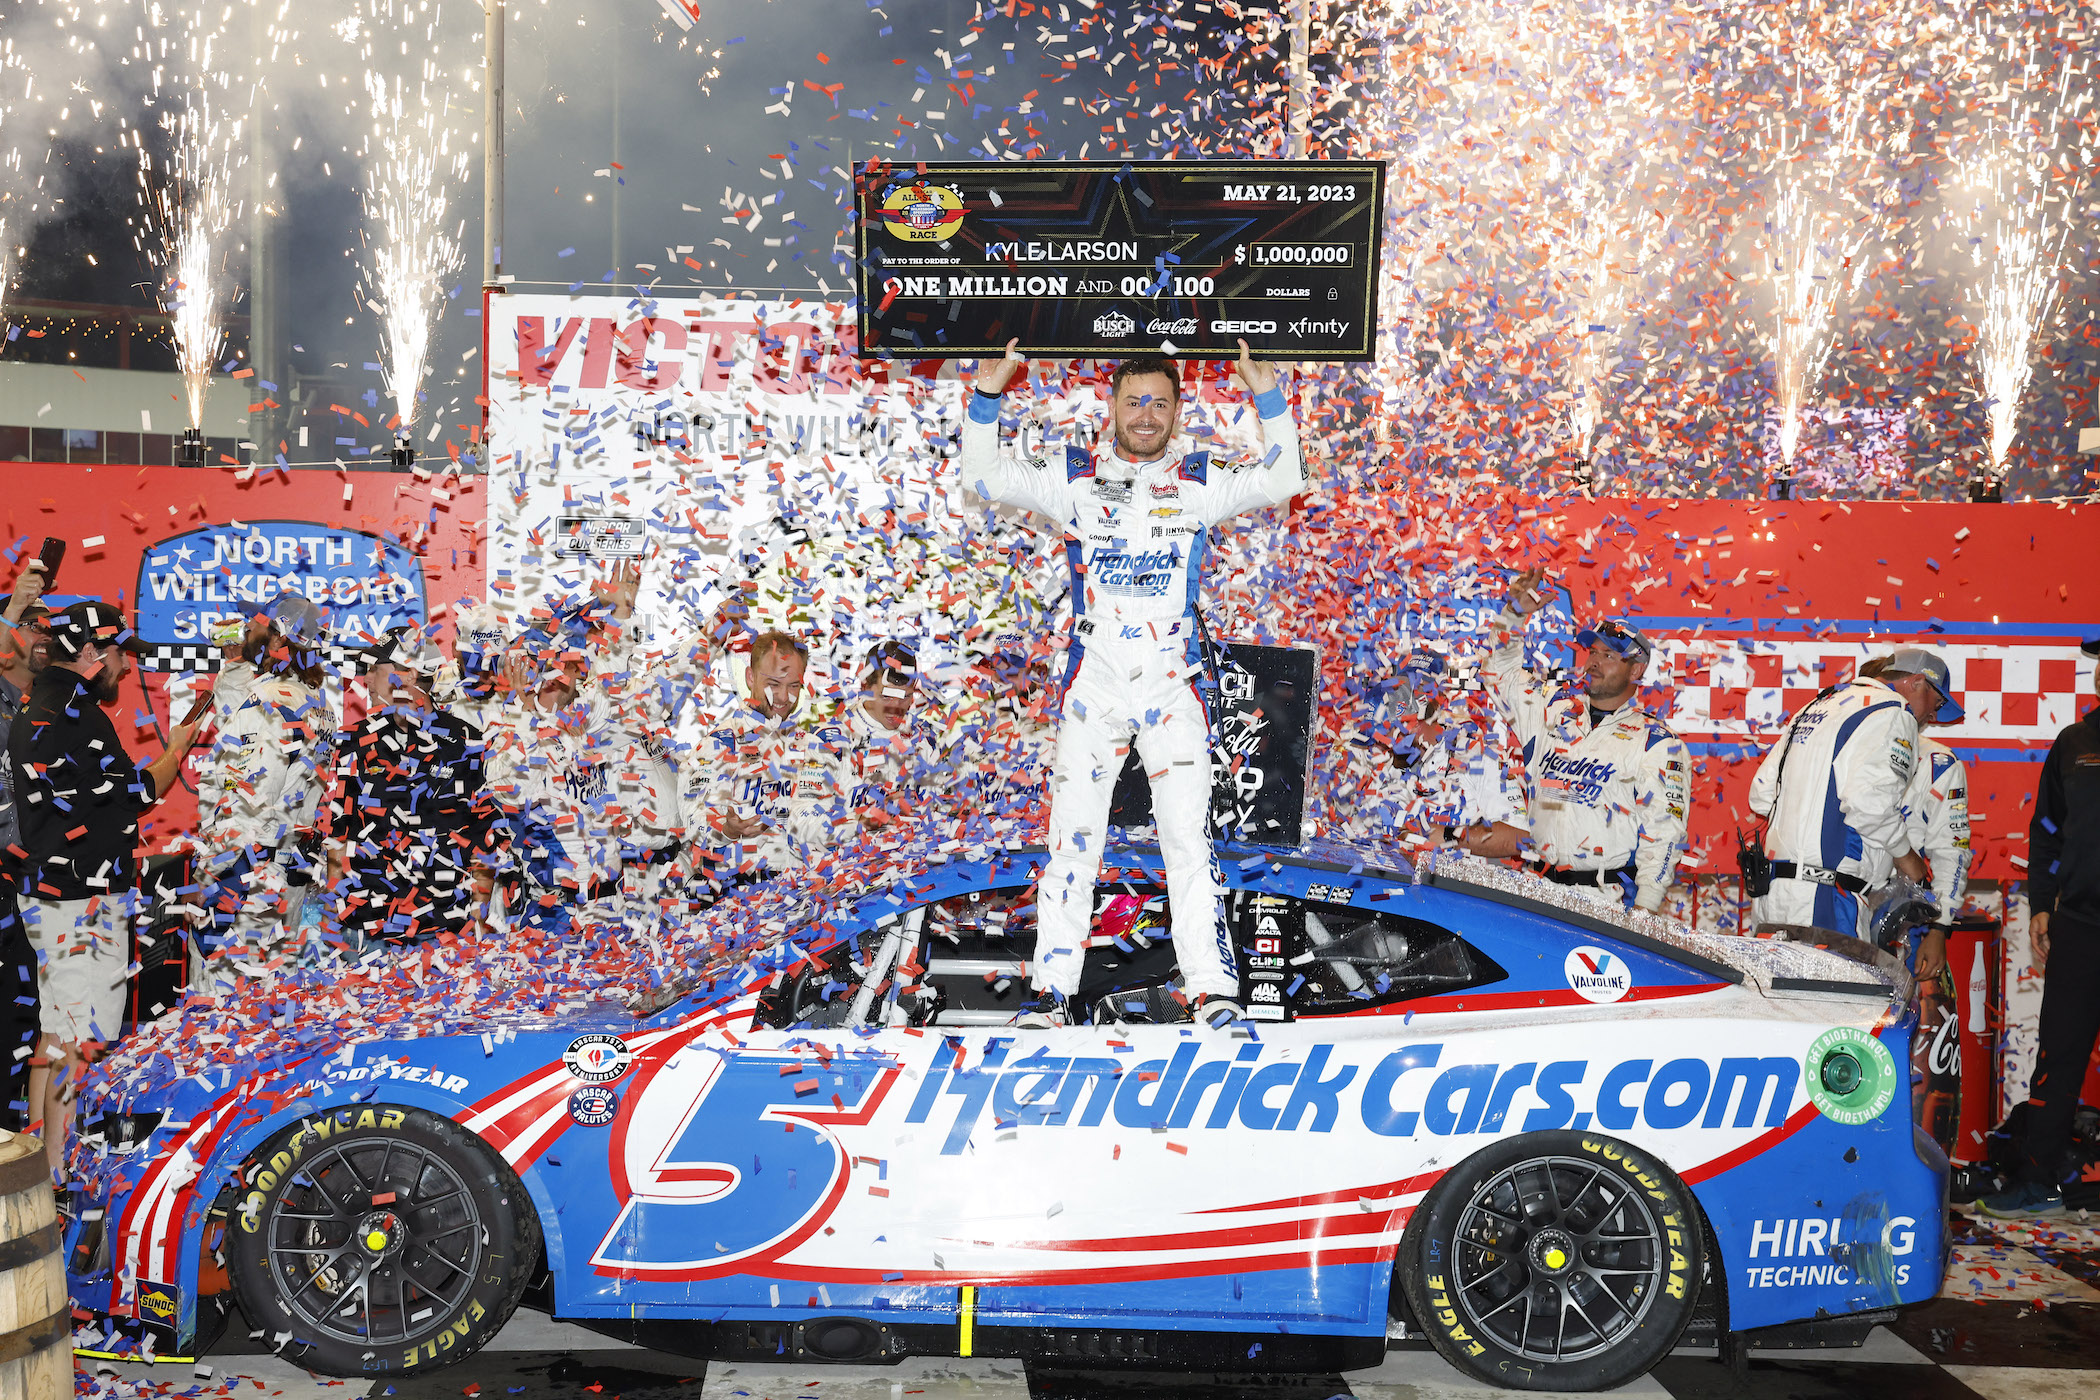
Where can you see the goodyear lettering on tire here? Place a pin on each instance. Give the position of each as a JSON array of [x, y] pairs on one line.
[[312, 1131], [1447, 1315]]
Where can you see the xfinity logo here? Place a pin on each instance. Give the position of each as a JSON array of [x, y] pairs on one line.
[[1310, 327], [1113, 325]]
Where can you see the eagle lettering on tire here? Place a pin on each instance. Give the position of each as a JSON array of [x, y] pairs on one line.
[[1555, 1261]]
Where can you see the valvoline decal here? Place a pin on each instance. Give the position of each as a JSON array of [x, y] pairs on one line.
[[364, 585]]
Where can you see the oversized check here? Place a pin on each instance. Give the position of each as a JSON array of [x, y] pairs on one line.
[[1112, 258]]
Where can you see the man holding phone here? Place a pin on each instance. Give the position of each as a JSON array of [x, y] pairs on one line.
[[79, 796]]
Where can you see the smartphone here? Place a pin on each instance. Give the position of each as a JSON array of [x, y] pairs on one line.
[[53, 554], [197, 707]]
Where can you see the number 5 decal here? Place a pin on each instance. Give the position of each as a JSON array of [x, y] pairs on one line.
[[726, 1158]]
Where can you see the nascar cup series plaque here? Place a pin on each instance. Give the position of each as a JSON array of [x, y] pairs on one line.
[[1107, 258]]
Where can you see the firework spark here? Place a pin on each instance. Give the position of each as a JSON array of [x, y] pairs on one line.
[[2023, 181], [195, 207], [412, 158]]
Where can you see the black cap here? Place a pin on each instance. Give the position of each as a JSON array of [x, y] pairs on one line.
[[2090, 646], [90, 622]]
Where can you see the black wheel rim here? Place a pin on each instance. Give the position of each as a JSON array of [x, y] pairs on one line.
[[1557, 1258], [374, 1242]]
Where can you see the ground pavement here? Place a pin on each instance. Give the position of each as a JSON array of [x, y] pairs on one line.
[[2019, 1319]]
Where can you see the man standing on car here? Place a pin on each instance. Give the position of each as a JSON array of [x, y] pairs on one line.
[[2063, 928], [1836, 786], [79, 796], [1136, 522], [1610, 781]]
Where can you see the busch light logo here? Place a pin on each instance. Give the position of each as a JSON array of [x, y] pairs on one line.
[[1113, 325], [1597, 975], [364, 585]]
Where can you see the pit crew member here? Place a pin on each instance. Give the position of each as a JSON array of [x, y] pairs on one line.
[[2063, 928], [1833, 786], [1610, 781]]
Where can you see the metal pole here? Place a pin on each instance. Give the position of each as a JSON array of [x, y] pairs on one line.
[[1301, 79], [617, 172], [492, 143]]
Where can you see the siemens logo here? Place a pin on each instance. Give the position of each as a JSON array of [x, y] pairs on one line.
[[1397, 1097]]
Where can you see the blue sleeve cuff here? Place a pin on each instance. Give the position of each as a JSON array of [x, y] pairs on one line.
[[984, 408], [1270, 402]]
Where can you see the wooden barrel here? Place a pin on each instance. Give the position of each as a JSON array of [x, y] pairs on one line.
[[36, 1317]]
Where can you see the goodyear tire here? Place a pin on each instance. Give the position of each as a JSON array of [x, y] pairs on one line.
[[1556, 1261], [377, 1238]]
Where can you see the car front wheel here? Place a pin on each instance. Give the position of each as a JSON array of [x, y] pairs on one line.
[[1556, 1261], [377, 1238]]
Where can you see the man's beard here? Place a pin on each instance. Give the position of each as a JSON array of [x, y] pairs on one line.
[[1130, 450], [107, 686]]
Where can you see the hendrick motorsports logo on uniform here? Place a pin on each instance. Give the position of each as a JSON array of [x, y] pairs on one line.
[[597, 1059], [1597, 975], [593, 1107]]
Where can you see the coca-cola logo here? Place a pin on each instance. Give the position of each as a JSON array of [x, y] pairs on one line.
[[1944, 1057], [1160, 325]]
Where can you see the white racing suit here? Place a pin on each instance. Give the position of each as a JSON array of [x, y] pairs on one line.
[[260, 784], [1603, 800], [1137, 535], [1838, 815], [861, 770], [1937, 818], [752, 766]]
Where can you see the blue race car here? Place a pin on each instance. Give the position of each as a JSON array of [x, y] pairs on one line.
[[1549, 1135]]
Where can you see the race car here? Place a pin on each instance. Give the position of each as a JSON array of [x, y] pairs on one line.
[[1550, 1135]]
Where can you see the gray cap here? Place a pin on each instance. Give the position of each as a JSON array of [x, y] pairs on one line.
[[297, 619], [1916, 661]]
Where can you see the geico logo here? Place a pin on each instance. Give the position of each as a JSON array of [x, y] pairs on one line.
[[1243, 327], [1398, 1096]]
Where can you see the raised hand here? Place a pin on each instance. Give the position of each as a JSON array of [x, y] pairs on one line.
[[1524, 596], [1258, 377], [994, 375]]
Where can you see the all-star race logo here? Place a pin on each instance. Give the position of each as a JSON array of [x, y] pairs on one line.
[[919, 212], [1597, 975]]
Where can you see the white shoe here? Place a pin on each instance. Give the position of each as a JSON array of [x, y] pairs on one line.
[[1219, 1013]]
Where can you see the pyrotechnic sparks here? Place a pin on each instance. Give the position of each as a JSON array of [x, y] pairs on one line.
[[412, 156], [195, 206], [2023, 182]]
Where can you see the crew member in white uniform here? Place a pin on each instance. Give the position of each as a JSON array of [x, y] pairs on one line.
[[1433, 769], [1609, 781], [876, 753], [1834, 786], [1136, 522], [259, 788], [756, 772], [1936, 814]]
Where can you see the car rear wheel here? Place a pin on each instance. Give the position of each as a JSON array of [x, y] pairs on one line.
[[1556, 1261], [378, 1238]]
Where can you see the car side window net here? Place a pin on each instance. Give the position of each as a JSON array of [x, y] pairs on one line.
[[1338, 958]]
